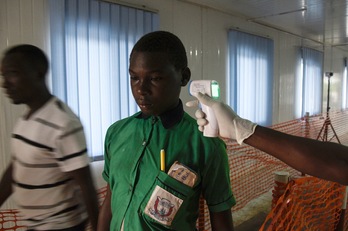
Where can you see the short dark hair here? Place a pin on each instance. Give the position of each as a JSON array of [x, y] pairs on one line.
[[32, 54], [163, 41]]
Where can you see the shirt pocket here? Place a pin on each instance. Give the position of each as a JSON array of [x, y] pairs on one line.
[[165, 201]]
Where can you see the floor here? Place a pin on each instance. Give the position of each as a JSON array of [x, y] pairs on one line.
[[252, 216], [252, 224]]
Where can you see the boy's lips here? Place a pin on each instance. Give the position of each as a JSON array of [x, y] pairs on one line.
[[144, 105], [143, 102]]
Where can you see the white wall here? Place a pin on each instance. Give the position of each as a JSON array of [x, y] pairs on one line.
[[204, 34]]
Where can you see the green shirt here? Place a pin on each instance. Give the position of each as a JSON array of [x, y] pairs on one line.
[[132, 170]]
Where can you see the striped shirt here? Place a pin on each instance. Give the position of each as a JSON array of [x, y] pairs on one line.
[[44, 148]]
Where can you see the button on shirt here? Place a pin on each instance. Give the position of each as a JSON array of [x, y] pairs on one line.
[[132, 170]]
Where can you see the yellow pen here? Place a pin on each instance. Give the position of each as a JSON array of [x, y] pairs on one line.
[[163, 160]]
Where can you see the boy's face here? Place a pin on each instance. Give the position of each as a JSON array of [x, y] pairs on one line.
[[155, 82]]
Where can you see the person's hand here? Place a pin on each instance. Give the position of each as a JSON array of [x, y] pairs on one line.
[[230, 124]]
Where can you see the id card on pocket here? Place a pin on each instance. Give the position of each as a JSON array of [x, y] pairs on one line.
[[163, 206], [183, 174]]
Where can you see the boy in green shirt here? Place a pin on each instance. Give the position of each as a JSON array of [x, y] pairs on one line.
[[142, 194]]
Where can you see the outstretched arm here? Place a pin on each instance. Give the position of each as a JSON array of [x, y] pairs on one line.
[[326, 160]]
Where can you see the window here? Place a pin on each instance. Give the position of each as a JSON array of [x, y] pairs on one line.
[[251, 76], [309, 82], [90, 46]]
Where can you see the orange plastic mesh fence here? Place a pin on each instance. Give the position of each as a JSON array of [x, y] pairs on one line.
[[308, 204], [9, 220], [252, 171]]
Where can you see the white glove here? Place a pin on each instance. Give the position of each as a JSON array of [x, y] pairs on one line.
[[230, 124]]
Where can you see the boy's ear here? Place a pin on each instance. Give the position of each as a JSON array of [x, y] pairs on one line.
[[185, 76]]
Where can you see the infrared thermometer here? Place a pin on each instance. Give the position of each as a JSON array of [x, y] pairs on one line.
[[211, 88]]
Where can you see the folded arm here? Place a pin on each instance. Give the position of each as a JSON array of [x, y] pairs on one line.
[[6, 184], [221, 221], [105, 214], [84, 178]]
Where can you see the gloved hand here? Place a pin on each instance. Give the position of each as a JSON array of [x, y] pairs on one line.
[[230, 124]]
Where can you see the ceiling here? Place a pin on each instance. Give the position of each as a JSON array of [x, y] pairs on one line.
[[324, 21]]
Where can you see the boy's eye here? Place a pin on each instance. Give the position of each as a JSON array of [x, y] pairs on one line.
[[156, 79], [133, 78]]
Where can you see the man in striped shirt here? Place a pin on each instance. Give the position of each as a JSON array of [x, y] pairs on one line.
[[49, 175]]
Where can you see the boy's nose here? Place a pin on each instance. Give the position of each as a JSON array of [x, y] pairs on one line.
[[143, 87]]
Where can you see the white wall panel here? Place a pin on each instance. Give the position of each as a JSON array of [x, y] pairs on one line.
[[188, 27], [286, 56], [215, 48], [12, 21]]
